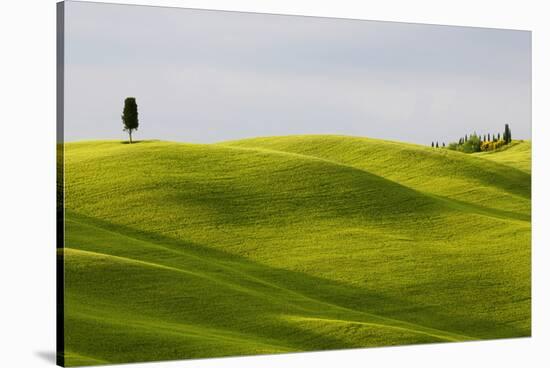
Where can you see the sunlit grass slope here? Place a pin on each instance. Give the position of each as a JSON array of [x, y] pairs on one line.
[[289, 244], [517, 155], [466, 178]]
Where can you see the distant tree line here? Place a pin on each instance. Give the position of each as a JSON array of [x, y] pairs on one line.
[[479, 143]]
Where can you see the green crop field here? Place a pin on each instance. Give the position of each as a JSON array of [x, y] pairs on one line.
[[286, 244]]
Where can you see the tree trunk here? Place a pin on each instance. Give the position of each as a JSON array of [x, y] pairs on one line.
[[130, 134]]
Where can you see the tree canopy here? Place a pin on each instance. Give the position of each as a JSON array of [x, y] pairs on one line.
[[130, 116]]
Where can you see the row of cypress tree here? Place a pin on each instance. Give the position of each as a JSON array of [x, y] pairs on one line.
[[476, 143]]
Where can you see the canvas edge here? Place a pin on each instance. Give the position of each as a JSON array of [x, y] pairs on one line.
[[60, 203]]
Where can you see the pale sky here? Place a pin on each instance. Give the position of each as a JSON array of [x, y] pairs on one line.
[[207, 76]]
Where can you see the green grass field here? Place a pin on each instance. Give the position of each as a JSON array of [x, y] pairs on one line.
[[518, 155], [286, 244]]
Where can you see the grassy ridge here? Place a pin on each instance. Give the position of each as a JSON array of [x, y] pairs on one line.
[[517, 155], [289, 244], [469, 178]]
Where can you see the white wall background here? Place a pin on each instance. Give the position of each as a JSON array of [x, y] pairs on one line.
[[27, 181]]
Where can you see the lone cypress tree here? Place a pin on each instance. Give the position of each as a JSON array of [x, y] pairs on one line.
[[130, 116], [507, 135]]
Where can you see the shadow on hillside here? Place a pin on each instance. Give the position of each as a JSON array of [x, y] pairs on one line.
[[358, 299], [133, 142], [142, 141]]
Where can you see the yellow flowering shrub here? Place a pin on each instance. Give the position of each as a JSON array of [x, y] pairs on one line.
[[491, 146]]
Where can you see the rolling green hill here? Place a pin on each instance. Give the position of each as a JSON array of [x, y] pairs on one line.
[[517, 155], [295, 243]]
